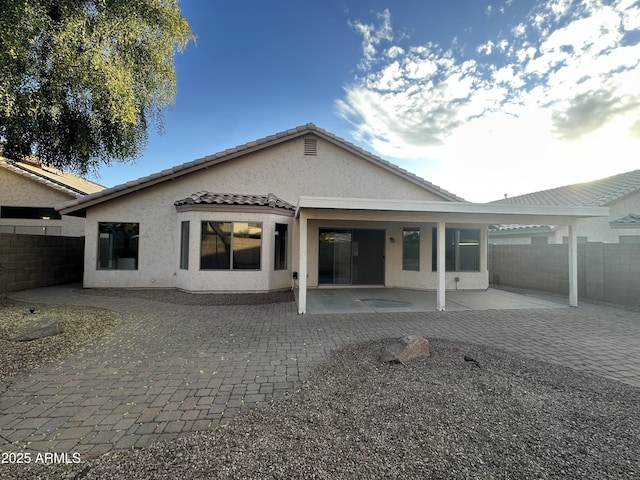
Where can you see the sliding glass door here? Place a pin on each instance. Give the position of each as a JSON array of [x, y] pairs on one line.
[[351, 257], [335, 257]]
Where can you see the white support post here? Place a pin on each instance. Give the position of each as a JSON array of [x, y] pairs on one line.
[[441, 267], [573, 266], [302, 268], [484, 249]]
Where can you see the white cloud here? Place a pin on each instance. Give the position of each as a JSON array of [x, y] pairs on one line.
[[631, 18], [372, 35], [395, 52], [486, 48], [417, 68], [519, 30], [555, 103]]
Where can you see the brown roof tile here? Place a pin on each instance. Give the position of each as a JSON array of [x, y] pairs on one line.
[[204, 197]]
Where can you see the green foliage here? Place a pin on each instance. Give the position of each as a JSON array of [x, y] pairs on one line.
[[82, 80]]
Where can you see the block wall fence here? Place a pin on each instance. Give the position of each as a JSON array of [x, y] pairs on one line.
[[607, 272], [32, 261]]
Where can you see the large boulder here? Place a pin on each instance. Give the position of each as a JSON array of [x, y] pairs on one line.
[[405, 349], [44, 327]]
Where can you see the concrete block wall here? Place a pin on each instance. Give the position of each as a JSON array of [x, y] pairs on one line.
[[607, 272], [32, 261], [538, 267], [621, 275]]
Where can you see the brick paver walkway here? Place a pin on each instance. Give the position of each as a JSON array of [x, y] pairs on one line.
[[169, 369]]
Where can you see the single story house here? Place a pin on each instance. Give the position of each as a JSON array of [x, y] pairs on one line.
[[299, 209], [620, 193], [28, 192]]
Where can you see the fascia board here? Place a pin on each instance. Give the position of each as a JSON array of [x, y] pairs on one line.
[[459, 211]]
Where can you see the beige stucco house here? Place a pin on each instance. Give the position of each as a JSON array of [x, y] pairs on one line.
[[299, 209], [28, 192], [620, 193]]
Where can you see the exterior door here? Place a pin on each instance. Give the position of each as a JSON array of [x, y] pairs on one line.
[[351, 257], [334, 257], [368, 257]]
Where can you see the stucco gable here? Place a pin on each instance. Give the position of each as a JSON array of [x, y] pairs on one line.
[[78, 207]]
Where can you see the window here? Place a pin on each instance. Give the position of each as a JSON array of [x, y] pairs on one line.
[[281, 243], [30, 213], [230, 245], [184, 246], [539, 240], [462, 250], [411, 248], [118, 246]]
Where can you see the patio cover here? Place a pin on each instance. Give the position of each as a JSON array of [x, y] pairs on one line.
[[441, 213]]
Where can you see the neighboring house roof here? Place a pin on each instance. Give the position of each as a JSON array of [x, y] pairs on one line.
[[208, 198], [598, 193], [629, 221], [64, 182], [78, 206]]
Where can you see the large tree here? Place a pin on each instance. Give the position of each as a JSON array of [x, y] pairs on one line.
[[81, 81]]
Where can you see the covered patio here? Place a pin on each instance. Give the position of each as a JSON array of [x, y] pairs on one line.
[[311, 212], [387, 300]]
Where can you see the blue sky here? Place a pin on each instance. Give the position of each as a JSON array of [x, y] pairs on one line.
[[483, 98]]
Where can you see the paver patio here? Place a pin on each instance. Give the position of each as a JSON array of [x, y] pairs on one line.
[[170, 369]]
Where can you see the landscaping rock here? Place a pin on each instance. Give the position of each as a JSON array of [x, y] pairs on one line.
[[44, 327], [405, 349]]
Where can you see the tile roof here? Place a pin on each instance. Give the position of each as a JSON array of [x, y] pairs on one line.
[[78, 206], [204, 197], [598, 193], [629, 221], [51, 177], [518, 227]]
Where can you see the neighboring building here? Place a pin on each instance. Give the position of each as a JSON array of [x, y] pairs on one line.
[[620, 193], [29, 191], [299, 208]]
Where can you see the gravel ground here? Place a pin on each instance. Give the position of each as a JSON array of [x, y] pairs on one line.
[[441, 418], [172, 295], [79, 326]]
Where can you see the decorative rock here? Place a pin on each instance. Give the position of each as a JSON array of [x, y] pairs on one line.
[[44, 327], [403, 350]]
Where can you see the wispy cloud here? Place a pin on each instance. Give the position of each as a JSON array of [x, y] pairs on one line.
[[372, 35], [555, 101]]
